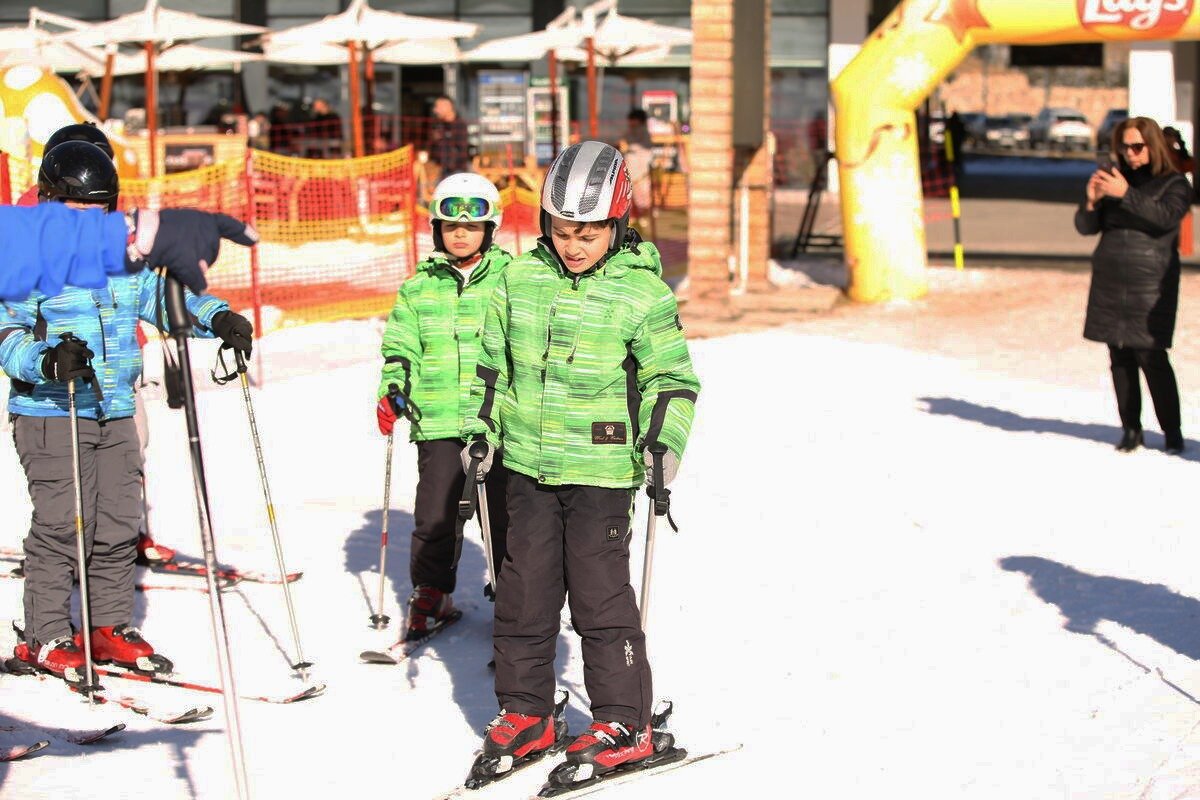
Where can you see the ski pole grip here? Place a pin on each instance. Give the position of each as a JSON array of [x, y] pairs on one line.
[[662, 495], [240, 360], [178, 319], [478, 450]]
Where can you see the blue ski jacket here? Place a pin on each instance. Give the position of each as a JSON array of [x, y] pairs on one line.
[[107, 320]]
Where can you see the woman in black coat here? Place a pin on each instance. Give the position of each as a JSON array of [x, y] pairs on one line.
[[1137, 209]]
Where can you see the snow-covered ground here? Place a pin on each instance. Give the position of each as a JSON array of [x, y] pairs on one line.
[[900, 572]]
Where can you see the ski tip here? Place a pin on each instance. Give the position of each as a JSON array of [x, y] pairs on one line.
[[316, 690], [292, 577], [196, 714], [23, 751], [376, 657]]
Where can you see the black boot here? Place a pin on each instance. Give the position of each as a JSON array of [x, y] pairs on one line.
[[1131, 440], [1174, 445]]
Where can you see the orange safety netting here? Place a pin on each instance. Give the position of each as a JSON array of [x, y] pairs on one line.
[[337, 235]]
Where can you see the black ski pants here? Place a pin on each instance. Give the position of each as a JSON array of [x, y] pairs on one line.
[[1160, 379], [440, 484], [570, 542]]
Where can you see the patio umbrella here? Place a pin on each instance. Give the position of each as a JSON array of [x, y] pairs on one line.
[[620, 39], [560, 32], [156, 29], [362, 28]]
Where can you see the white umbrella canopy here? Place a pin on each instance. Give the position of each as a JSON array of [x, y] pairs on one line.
[[29, 45], [639, 57], [527, 46], [315, 53], [157, 24], [618, 37], [184, 57], [361, 23], [419, 51]]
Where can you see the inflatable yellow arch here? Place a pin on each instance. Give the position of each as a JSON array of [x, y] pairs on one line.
[[875, 98]]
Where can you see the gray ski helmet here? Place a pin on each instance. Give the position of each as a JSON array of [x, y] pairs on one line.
[[588, 182], [78, 171], [79, 132]]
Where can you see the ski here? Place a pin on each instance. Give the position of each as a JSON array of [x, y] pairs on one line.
[[141, 587], [404, 648], [89, 737], [196, 568], [672, 758], [120, 672], [177, 567], [23, 750]]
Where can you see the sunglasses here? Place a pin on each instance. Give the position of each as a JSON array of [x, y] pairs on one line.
[[1136, 148], [472, 209]]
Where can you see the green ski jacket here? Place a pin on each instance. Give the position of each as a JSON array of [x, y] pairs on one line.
[[579, 372], [432, 340]]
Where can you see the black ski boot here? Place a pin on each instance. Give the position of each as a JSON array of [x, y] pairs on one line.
[[514, 741]]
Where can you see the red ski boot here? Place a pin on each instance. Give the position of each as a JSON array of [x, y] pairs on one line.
[[59, 657], [150, 553], [124, 646], [428, 610], [512, 741]]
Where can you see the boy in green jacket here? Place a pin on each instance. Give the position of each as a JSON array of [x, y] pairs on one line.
[[584, 366], [430, 349]]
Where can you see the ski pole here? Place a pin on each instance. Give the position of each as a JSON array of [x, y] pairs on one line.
[[180, 322], [380, 620], [485, 524], [660, 496], [301, 665], [80, 545]]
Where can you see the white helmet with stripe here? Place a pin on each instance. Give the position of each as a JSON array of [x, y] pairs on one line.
[[465, 197], [588, 182]]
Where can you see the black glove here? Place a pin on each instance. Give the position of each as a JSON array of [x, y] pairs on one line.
[[183, 240], [234, 329], [68, 360]]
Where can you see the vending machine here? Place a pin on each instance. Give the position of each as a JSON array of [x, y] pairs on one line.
[[541, 142], [662, 111]]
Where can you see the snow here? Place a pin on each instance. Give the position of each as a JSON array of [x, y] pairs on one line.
[[902, 570]]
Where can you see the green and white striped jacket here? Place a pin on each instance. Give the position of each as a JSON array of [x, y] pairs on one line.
[[431, 343], [579, 372]]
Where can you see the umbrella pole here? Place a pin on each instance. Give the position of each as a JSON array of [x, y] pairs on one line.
[[152, 108], [552, 63], [355, 104], [591, 83], [106, 83], [369, 105]]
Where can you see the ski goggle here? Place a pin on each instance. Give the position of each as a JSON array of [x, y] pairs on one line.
[[473, 209]]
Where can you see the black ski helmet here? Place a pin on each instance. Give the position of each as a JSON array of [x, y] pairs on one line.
[[79, 132], [78, 171]]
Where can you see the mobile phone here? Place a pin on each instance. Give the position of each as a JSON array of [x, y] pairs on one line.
[[1105, 163]]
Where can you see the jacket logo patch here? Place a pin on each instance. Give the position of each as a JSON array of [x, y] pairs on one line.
[[608, 433], [613, 532]]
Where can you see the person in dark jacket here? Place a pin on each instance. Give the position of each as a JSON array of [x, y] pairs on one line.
[[1136, 207]]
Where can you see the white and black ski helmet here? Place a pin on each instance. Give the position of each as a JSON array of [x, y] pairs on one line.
[[465, 197], [588, 182]]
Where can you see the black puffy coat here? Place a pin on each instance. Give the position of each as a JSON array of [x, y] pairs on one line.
[[1135, 267]]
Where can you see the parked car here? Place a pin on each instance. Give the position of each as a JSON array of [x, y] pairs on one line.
[[1010, 132], [1112, 119], [1061, 129]]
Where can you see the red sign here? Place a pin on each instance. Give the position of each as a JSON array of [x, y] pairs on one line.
[[1162, 17]]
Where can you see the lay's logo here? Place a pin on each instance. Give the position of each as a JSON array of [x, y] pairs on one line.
[[1159, 16]]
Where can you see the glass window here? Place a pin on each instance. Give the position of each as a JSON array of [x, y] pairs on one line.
[[12, 11], [300, 8], [495, 28], [644, 7], [419, 8], [468, 7], [799, 41], [799, 6]]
